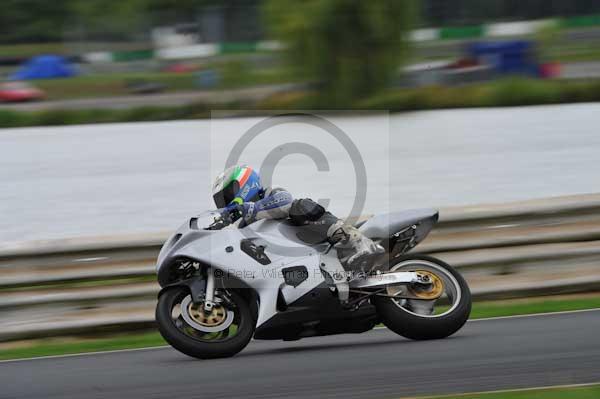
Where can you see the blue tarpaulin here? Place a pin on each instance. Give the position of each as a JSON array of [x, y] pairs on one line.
[[44, 67], [507, 56]]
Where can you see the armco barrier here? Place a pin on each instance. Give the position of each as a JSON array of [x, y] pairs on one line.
[[83, 286]]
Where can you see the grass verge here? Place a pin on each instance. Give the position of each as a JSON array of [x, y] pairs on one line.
[[71, 345], [510, 92], [77, 117], [116, 84], [574, 392], [110, 84], [499, 93], [515, 307], [31, 49], [61, 346]]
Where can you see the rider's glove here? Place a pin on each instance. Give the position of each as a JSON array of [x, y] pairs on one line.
[[234, 211], [231, 212], [248, 211]]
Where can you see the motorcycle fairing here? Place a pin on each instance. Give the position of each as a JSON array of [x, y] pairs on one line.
[[221, 250]]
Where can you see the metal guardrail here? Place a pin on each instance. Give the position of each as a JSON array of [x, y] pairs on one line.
[[523, 249]]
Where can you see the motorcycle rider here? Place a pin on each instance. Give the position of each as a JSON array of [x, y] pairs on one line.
[[238, 193]]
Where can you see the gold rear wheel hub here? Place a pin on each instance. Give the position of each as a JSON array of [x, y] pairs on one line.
[[215, 317], [432, 290], [432, 287]]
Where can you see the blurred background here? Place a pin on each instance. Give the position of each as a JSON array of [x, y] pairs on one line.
[[113, 114], [347, 53]]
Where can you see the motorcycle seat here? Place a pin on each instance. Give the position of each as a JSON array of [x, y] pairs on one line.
[[385, 225]]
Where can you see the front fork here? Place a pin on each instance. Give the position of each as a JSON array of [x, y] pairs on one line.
[[210, 290]]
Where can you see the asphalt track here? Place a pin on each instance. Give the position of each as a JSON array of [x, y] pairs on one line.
[[485, 355]]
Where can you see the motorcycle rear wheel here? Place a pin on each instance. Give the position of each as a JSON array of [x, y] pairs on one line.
[[199, 344], [416, 319]]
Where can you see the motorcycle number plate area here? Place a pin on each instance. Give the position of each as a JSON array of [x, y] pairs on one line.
[[300, 277], [294, 275], [255, 250]]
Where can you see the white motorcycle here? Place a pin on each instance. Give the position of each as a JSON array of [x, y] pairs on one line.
[[223, 286]]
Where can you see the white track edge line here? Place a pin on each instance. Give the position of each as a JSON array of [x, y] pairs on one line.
[[519, 316], [547, 387], [86, 354]]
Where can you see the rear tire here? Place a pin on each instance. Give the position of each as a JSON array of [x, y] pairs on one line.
[[423, 327], [197, 348]]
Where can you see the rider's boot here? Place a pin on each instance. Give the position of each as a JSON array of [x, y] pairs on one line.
[[362, 249]]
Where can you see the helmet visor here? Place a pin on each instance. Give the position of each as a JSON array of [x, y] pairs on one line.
[[225, 196]]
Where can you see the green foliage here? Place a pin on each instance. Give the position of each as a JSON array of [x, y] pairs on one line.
[[506, 92], [76, 117], [119, 21], [547, 37], [32, 20], [234, 73], [352, 48], [468, 12], [23, 21]]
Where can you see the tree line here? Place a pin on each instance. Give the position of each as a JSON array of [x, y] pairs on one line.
[[36, 21], [23, 21], [458, 12]]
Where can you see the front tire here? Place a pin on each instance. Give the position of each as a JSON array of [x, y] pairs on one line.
[[188, 340], [407, 317]]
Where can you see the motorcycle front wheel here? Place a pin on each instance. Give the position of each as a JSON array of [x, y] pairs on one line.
[[223, 332], [435, 310]]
